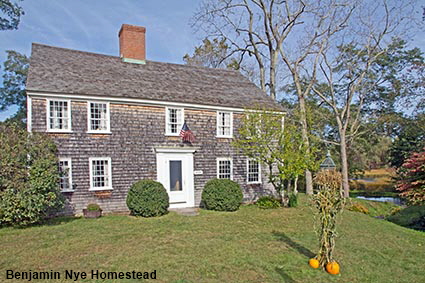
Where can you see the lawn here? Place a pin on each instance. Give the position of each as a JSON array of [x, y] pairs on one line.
[[250, 245]]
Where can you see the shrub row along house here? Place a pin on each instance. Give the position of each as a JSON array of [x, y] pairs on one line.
[[117, 120]]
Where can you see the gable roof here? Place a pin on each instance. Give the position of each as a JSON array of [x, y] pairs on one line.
[[60, 70]]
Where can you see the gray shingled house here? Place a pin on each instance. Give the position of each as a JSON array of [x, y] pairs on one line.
[[117, 120]]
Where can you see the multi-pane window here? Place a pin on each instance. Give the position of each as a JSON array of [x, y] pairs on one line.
[[224, 124], [224, 168], [65, 172], [98, 117], [253, 171], [174, 120], [100, 174], [59, 115]]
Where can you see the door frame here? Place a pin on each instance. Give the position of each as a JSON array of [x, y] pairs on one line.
[[186, 155]]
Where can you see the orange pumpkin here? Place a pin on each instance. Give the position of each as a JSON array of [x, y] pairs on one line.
[[332, 267], [314, 263]]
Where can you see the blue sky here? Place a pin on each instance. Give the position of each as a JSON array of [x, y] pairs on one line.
[[93, 25]]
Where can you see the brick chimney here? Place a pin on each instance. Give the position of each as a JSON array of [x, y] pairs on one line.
[[132, 44]]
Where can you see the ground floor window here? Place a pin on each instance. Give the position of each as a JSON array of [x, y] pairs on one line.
[[224, 168], [253, 171], [100, 173], [65, 172]]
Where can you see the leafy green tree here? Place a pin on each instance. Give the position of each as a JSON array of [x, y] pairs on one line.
[[278, 146], [14, 78], [11, 15], [29, 176]]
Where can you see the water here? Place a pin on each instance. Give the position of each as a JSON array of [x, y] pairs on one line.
[[394, 200]]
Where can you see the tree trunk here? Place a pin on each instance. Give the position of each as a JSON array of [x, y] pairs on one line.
[[304, 132], [296, 185], [344, 164]]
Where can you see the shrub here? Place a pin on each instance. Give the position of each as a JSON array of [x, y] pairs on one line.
[[147, 198], [268, 202], [411, 217], [222, 195], [357, 207], [93, 207], [293, 200], [29, 176]]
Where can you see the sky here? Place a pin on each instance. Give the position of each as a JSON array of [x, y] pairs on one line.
[[93, 25]]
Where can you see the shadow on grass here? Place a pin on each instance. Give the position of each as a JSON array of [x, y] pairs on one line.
[[286, 278], [59, 220], [299, 248]]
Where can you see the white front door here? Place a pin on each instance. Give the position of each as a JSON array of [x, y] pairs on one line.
[[175, 172]]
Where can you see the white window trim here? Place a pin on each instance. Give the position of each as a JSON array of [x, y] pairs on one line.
[[71, 187], [231, 166], [247, 172], [91, 159], [108, 113], [218, 135], [69, 130], [167, 120]]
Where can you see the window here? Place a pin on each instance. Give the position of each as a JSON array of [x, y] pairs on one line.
[[98, 117], [224, 168], [175, 120], [65, 171], [253, 171], [58, 115], [224, 124], [100, 174]]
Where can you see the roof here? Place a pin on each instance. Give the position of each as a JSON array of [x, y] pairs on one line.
[[60, 70]]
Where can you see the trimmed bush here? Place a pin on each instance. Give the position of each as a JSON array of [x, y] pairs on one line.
[[267, 202], [93, 207], [147, 198], [293, 200], [222, 195]]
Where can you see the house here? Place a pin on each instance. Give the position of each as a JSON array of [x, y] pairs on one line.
[[116, 120]]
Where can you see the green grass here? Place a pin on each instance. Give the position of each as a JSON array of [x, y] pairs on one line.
[[376, 208], [250, 245]]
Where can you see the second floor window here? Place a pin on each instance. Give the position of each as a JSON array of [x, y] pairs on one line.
[[59, 115], [175, 120], [224, 124], [98, 117]]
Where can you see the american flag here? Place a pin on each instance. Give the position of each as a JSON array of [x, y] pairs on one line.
[[186, 134]]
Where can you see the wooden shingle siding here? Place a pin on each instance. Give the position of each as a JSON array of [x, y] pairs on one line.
[[135, 133]]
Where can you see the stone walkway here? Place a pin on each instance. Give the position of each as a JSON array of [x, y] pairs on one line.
[[190, 211]]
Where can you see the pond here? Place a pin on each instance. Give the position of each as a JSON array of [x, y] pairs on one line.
[[394, 200]]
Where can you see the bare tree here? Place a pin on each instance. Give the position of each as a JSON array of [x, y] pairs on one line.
[[345, 67], [277, 35]]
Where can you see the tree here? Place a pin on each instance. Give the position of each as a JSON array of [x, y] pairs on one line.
[[347, 70], [29, 188], [412, 183], [278, 147], [12, 13], [277, 36], [212, 54], [14, 78]]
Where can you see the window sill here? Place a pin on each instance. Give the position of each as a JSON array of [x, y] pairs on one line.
[[100, 189], [68, 191], [59, 131], [254, 183], [99, 132], [224, 137], [172, 135]]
